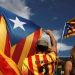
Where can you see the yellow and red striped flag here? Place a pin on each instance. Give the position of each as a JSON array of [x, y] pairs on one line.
[[69, 28], [18, 36], [7, 66]]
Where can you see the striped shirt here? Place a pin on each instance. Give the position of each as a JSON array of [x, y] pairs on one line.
[[39, 64]]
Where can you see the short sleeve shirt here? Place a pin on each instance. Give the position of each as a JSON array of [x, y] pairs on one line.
[[40, 64]]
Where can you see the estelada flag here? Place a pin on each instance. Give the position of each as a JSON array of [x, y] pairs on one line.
[[69, 28], [18, 36]]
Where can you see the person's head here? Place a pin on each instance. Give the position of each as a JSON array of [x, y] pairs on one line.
[[42, 44], [72, 52]]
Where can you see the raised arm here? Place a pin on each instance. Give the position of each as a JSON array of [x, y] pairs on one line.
[[52, 40]]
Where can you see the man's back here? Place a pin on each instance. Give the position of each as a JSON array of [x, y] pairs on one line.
[[40, 64]]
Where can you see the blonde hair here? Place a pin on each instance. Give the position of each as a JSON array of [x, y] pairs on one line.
[[72, 52]]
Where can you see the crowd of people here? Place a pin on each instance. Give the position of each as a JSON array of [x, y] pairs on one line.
[[45, 60]]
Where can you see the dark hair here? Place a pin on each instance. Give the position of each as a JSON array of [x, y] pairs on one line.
[[42, 48], [73, 53]]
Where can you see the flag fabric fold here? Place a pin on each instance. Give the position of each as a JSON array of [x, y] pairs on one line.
[[7, 66], [18, 36], [18, 27], [69, 28]]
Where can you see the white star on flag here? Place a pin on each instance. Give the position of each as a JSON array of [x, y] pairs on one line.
[[18, 23]]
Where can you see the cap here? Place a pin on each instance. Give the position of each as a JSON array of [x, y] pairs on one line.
[[42, 41]]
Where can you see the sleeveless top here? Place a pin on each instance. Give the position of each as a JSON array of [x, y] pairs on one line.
[[73, 69]]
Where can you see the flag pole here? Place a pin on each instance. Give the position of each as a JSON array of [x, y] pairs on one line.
[[63, 30], [60, 46], [62, 37]]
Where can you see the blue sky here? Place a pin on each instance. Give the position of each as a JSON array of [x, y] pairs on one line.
[[49, 14]]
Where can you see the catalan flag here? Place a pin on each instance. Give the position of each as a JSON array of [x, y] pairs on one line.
[[69, 28], [7, 66], [18, 36]]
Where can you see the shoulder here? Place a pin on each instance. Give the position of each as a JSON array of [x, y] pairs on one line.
[[53, 52], [68, 65], [68, 68], [52, 55]]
